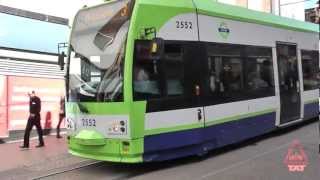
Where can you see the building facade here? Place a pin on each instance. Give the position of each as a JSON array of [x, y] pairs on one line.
[[287, 8], [259, 5], [313, 13], [28, 61]]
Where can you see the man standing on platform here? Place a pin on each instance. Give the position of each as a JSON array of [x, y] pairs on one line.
[[34, 120]]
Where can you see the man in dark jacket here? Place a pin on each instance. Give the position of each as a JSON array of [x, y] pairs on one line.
[[34, 120]]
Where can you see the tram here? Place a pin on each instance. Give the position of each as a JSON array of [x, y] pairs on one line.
[[153, 80]]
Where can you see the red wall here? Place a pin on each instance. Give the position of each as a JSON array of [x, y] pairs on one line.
[[3, 107], [48, 90]]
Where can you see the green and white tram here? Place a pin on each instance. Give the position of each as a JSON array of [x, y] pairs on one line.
[[152, 80]]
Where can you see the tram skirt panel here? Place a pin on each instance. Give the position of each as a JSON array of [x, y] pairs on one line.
[[198, 141]]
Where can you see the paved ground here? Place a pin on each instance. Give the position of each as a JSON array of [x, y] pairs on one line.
[[258, 159], [35, 162]]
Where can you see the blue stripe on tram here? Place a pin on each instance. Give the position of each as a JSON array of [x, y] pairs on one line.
[[311, 110], [197, 141]]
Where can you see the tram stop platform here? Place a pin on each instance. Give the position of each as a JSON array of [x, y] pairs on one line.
[[36, 162]]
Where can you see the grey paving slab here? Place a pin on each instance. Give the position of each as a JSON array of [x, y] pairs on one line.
[[258, 159], [35, 162]]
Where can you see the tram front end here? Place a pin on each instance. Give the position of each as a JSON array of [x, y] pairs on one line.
[[98, 107]]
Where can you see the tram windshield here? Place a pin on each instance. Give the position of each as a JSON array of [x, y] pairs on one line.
[[96, 55]]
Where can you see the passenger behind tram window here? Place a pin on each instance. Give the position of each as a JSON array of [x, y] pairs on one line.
[[145, 82], [212, 82], [259, 71], [225, 74], [267, 72], [145, 73], [214, 69], [231, 76], [258, 74], [283, 72], [140, 74], [291, 77]]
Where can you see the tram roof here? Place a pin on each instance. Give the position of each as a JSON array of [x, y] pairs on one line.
[[216, 9]]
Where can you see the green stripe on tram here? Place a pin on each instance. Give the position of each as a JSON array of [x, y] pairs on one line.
[[95, 108], [311, 101], [239, 117], [210, 123], [173, 129]]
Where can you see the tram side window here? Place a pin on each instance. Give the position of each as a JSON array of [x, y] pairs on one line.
[[146, 75], [225, 69], [259, 71], [157, 78], [310, 68], [173, 69]]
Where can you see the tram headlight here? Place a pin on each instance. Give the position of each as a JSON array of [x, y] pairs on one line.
[[115, 128], [118, 127]]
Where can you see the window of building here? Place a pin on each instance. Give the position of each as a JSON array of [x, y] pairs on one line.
[[310, 68], [258, 5], [243, 3]]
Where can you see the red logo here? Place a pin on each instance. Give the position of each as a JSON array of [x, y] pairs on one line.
[[296, 159]]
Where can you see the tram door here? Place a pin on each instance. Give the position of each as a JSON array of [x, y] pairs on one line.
[[288, 82], [195, 74]]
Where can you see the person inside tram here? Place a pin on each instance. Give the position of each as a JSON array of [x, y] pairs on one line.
[[231, 77], [140, 74], [145, 80]]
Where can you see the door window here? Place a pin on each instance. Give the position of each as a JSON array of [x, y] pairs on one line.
[[288, 69]]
